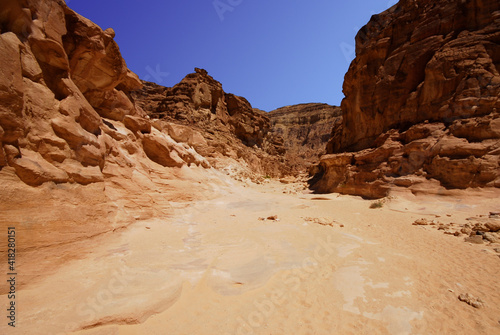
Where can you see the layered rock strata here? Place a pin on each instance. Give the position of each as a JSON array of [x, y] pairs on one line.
[[305, 129], [229, 132], [422, 101], [78, 158]]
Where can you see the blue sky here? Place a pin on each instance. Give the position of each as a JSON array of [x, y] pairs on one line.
[[272, 52]]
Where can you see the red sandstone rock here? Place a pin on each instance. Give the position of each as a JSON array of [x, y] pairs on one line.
[[161, 151], [65, 105], [34, 170], [426, 83], [231, 130], [137, 124], [434, 61]]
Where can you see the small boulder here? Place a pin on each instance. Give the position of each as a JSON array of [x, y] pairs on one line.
[[493, 226], [159, 150], [82, 174], [137, 124], [33, 170], [491, 237], [476, 239], [421, 222], [471, 300], [72, 132]]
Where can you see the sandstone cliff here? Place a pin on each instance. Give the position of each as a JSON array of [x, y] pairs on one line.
[[422, 101], [305, 129], [78, 158], [231, 134]]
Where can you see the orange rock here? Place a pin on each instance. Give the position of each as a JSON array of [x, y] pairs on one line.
[[34, 170], [421, 99], [137, 124]]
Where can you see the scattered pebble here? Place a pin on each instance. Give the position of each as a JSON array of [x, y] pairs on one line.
[[471, 300], [273, 218], [421, 222], [493, 226], [491, 237], [322, 221], [476, 239], [466, 231], [148, 227]]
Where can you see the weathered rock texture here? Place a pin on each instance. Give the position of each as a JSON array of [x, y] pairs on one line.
[[305, 129], [422, 98], [77, 157], [222, 126]]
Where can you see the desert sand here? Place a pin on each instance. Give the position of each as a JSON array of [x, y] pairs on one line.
[[329, 264]]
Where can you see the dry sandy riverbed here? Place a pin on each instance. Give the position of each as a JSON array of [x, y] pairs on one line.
[[215, 268]]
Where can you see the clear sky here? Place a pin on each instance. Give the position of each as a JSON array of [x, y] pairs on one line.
[[272, 52]]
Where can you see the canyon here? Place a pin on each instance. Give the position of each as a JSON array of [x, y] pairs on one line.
[[141, 208]]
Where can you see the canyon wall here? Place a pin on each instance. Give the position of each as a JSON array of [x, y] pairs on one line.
[[78, 157], [305, 129], [233, 136], [86, 148], [421, 101]]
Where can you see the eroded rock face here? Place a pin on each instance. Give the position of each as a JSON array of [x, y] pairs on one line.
[[305, 130], [77, 156], [227, 129], [421, 60], [422, 97]]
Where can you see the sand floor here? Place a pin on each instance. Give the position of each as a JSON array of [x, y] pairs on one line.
[[214, 268]]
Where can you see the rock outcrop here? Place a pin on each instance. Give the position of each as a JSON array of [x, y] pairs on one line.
[[78, 158], [229, 132], [422, 101], [305, 129]]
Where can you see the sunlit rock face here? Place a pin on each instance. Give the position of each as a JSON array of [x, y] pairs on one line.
[[421, 97], [78, 157], [234, 133]]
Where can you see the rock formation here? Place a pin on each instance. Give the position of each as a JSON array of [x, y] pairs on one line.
[[305, 129], [230, 133], [422, 101], [77, 157]]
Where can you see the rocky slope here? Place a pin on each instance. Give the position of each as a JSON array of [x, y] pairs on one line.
[[305, 129], [223, 127], [86, 150], [422, 101], [78, 158]]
